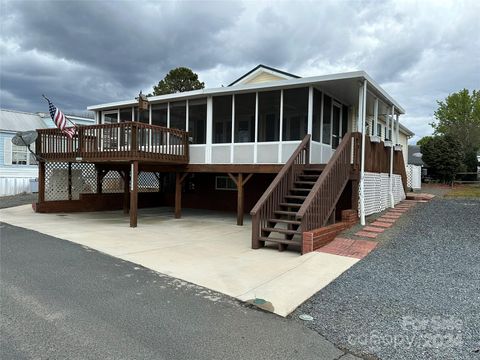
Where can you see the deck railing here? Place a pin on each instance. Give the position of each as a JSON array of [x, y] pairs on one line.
[[283, 182], [322, 199], [115, 142]]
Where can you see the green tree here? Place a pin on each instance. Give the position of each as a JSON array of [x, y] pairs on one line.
[[444, 156], [458, 116], [178, 80]]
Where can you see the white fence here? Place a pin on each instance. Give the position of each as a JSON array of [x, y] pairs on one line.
[[377, 192], [414, 177]]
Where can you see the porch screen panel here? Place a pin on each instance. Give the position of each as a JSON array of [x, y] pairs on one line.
[[344, 120], [197, 120], [268, 116], [317, 115], [126, 114], [159, 118], [142, 116], [327, 119], [222, 119], [295, 114], [245, 118], [178, 115]]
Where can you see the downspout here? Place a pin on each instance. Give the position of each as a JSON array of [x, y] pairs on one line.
[[361, 189], [390, 181]]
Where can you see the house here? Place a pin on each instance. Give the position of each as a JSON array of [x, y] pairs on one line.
[[17, 165], [297, 153]]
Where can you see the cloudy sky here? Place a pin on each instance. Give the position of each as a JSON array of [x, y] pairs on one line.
[[87, 52]]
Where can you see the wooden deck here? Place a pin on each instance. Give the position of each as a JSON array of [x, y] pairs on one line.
[[121, 142]]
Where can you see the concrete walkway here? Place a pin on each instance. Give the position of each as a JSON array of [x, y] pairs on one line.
[[204, 248]]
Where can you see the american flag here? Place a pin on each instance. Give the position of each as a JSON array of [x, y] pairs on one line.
[[60, 120]]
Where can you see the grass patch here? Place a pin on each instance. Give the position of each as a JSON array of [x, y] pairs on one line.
[[471, 190]]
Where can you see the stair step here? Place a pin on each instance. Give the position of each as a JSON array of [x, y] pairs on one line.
[[281, 212], [285, 221], [309, 176], [298, 197], [300, 189], [305, 182], [281, 241], [282, 231], [290, 205]]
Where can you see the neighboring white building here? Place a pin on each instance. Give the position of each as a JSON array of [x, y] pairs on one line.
[[17, 164]]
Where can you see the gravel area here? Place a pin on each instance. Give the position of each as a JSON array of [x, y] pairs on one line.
[[17, 200], [417, 296]]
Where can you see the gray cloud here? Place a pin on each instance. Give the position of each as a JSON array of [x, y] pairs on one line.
[[87, 52]]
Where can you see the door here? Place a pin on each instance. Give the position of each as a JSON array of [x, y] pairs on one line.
[[110, 135], [336, 125]]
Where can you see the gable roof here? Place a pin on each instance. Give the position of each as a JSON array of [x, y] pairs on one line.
[[264, 68]]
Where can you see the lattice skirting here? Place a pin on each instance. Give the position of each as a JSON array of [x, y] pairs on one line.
[[377, 192], [84, 181], [414, 177]]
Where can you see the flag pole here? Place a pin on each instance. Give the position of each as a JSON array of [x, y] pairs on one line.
[[74, 125]]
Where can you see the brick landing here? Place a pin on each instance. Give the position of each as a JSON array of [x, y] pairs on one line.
[[347, 247]]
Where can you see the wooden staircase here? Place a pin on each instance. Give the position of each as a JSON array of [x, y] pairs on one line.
[[303, 197], [283, 227]]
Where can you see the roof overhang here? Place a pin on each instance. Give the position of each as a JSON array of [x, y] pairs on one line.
[[343, 86]]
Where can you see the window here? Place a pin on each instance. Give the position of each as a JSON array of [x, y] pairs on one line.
[[197, 120], [159, 115], [224, 183], [222, 119], [245, 118], [20, 155], [178, 115], [379, 130], [344, 120], [126, 114], [327, 120], [295, 114], [268, 116], [317, 115]]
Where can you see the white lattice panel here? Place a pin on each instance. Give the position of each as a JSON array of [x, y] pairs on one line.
[[377, 192], [414, 177]]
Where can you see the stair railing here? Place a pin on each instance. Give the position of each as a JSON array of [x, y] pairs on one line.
[[280, 186], [322, 199]]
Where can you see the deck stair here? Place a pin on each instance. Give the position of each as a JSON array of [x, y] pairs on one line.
[[302, 196]]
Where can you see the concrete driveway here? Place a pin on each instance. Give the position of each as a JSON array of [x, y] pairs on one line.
[[204, 247]]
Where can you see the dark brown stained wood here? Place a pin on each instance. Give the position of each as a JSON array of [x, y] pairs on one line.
[[179, 178], [69, 181], [269, 202], [134, 194], [41, 181], [240, 181], [320, 203], [126, 190], [126, 141]]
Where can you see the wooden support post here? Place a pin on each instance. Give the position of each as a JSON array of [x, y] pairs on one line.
[[179, 178], [69, 181], [126, 190], [134, 194], [240, 182], [41, 181], [100, 176]]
